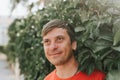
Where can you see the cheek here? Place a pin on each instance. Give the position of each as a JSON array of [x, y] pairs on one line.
[[45, 50], [66, 47]]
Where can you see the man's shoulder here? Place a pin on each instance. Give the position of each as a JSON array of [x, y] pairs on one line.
[[50, 76], [97, 75]]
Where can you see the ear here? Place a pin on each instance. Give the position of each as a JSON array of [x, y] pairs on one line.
[[74, 45]]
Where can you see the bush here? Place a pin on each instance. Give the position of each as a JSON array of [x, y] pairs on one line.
[[1, 49], [97, 29]]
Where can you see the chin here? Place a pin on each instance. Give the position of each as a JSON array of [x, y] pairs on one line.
[[57, 63]]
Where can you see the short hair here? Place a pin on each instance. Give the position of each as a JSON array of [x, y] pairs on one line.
[[57, 23]]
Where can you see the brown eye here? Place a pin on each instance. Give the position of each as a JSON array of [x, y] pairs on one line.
[[46, 42], [60, 39]]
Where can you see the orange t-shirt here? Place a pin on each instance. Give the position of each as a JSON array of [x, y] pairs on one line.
[[96, 75]]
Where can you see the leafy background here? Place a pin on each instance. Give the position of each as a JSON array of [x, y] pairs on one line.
[[97, 26]]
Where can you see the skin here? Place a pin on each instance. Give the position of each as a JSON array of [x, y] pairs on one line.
[[59, 51]]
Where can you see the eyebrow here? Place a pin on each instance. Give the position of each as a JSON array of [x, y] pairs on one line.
[[60, 35], [55, 36]]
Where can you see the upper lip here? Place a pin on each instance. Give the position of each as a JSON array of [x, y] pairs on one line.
[[55, 53]]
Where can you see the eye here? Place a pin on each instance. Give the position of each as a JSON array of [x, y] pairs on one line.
[[46, 42], [60, 39]]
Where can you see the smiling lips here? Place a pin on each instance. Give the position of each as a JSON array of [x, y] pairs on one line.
[[56, 53]]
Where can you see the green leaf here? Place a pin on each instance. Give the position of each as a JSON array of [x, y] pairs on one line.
[[116, 37], [107, 62], [113, 75], [106, 54], [116, 25], [98, 45], [78, 29], [98, 48], [107, 37], [116, 48], [84, 16]]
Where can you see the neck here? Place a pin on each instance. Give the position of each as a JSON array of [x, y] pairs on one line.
[[67, 70]]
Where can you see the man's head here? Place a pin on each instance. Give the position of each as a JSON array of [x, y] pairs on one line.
[[59, 42]]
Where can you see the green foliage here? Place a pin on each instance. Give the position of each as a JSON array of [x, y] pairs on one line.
[[2, 49], [97, 30], [114, 75], [25, 43]]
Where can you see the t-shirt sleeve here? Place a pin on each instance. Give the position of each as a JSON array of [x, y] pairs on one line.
[[97, 75]]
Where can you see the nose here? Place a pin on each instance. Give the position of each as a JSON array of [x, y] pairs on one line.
[[53, 46]]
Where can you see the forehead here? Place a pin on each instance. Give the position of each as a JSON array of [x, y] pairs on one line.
[[56, 32]]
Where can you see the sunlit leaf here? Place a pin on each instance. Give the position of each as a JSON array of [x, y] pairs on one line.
[[116, 37], [116, 48], [78, 29]]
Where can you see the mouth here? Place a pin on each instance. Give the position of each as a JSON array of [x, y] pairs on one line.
[[56, 54]]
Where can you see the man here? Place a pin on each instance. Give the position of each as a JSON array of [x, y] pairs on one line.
[[59, 45]]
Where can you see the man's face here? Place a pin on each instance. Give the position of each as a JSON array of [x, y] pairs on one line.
[[58, 47]]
